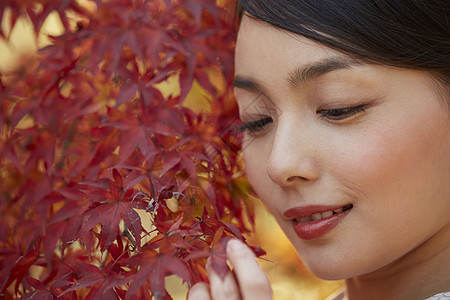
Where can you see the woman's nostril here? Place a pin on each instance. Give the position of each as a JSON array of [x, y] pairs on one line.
[[283, 172], [292, 178]]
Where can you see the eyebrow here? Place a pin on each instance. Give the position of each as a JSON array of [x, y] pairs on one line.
[[317, 69], [301, 75], [247, 84]]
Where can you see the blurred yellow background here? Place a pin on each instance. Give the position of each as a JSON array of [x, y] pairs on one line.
[[289, 278]]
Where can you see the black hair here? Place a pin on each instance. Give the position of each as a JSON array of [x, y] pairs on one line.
[[411, 34]]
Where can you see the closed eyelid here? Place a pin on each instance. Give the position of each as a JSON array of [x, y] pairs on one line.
[[256, 126], [349, 103], [342, 111]]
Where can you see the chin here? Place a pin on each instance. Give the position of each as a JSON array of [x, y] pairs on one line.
[[327, 273], [330, 269]]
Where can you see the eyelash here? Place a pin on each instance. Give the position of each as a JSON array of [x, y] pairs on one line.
[[256, 126], [338, 114]]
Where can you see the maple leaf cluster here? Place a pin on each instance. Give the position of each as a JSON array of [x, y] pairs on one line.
[[92, 149]]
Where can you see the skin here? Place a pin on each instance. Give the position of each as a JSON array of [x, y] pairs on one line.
[[387, 155]]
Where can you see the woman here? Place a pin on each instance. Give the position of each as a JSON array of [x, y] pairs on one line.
[[346, 108]]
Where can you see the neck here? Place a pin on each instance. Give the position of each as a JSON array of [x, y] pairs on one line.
[[419, 274]]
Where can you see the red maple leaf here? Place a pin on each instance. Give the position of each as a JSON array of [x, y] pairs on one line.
[[216, 254], [88, 137], [155, 267], [100, 281], [110, 208], [22, 266], [40, 291]]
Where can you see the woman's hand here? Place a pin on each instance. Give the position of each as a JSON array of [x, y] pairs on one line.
[[246, 282]]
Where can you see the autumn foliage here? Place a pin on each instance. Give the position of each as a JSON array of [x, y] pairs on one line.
[[93, 147]]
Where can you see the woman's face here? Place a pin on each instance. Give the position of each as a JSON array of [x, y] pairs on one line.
[[352, 159]]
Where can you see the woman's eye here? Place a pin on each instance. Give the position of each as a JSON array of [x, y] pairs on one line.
[[256, 126], [338, 114]]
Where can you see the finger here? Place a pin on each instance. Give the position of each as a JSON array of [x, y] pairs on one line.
[[199, 291], [222, 289], [251, 279]]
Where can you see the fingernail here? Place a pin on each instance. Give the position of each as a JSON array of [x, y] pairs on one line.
[[235, 245], [208, 263]]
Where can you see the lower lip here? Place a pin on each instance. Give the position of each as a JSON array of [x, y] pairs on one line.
[[316, 229]]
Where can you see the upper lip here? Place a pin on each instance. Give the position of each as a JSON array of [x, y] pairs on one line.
[[305, 211]]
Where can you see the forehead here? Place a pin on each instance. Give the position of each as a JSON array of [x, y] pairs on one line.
[[271, 57], [269, 54], [263, 48]]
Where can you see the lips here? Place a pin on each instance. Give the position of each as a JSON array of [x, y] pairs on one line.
[[323, 215], [313, 222]]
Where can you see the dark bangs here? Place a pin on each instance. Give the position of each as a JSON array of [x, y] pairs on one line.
[[408, 34]]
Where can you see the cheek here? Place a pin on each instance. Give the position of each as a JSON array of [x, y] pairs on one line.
[[395, 153], [256, 155], [399, 178], [400, 173]]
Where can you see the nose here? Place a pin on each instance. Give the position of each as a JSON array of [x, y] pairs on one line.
[[293, 158]]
